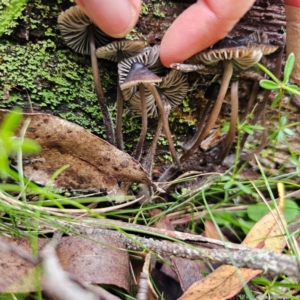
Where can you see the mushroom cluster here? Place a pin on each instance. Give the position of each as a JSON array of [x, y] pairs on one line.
[[151, 90], [239, 53]]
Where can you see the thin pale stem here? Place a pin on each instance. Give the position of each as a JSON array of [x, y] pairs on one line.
[[150, 156], [234, 115], [140, 143], [99, 92], [162, 112], [228, 69]]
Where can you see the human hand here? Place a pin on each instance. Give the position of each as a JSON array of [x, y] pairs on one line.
[[115, 17], [197, 28]]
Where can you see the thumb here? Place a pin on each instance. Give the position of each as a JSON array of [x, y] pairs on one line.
[[200, 26], [115, 17]]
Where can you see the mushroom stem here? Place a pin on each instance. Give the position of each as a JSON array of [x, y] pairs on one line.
[[140, 143], [120, 103], [150, 156], [194, 139], [162, 112], [152, 150], [98, 89], [228, 70], [234, 115]]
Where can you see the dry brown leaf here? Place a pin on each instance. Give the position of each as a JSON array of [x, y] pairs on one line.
[[227, 281], [188, 271], [211, 230], [184, 270], [95, 262], [94, 163], [19, 274], [90, 261]]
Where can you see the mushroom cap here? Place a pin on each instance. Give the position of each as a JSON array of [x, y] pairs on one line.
[[243, 51], [73, 25], [128, 48], [174, 87], [259, 36], [259, 39], [229, 49], [149, 58], [139, 74]]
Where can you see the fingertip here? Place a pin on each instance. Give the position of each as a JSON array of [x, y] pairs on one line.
[[116, 18], [190, 33]]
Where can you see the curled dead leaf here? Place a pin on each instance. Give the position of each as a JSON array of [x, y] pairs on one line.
[[93, 163]]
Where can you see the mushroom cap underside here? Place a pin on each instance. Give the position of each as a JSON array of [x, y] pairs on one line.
[[241, 57], [139, 74], [149, 57], [74, 27], [173, 88], [128, 48], [243, 51]]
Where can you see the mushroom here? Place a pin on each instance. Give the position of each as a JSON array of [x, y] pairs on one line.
[[237, 53], [172, 90], [83, 36], [117, 51], [174, 86], [147, 59], [141, 76]]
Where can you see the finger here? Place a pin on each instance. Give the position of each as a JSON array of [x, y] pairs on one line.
[[200, 26], [295, 3], [115, 17]]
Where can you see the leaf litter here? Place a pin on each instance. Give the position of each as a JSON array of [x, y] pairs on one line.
[[91, 161]]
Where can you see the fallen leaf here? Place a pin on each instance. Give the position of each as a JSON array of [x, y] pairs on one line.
[[95, 261], [227, 281], [211, 230], [20, 275], [184, 270], [100, 262], [93, 163]]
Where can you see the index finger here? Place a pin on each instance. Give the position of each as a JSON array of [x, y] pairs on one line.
[[200, 26]]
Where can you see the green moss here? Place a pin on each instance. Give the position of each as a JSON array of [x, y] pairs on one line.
[[9, 11], [153, 8], [58, 80]]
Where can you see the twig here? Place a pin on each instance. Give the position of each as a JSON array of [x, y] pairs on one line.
[[272, 263]]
